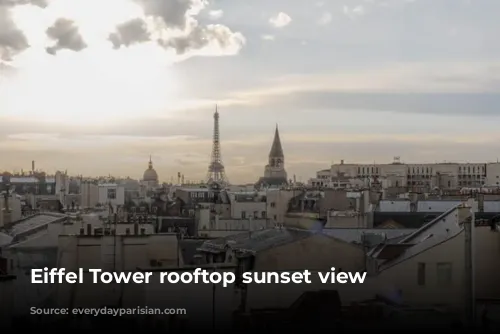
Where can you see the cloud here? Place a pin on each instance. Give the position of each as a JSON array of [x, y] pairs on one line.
[[12, 39], [268, 37], [325, 18], [174, 26], [174, 13], [354, 12], [398, 78], [220, 37], [169, 24], [216, 14], [11, 3], [66, 35], [130, 32], [280, 20]]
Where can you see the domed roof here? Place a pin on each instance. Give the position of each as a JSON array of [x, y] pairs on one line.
[[150, 173]]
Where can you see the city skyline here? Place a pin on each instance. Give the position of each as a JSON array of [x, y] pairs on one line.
[[361, 81]]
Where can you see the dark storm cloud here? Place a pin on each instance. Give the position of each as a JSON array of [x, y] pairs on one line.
[[66, 35]]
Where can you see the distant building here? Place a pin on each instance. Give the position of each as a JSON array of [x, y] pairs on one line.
[[414, 176], [111, 193], [150, 177], [89, 193], [274, 173]]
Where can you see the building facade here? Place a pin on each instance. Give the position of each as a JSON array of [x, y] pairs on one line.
[[111, 193], [411, 176]]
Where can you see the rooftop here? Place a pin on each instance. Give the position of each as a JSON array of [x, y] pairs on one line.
[[356, 235], [441, 229], [255, 241], [33, 223]]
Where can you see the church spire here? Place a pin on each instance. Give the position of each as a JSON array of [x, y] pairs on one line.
[[276, 149], [150, 164]]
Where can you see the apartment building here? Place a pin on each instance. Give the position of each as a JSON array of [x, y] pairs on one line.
[[446, 175]]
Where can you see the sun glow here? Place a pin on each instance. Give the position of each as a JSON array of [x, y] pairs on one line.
[[95, 85]]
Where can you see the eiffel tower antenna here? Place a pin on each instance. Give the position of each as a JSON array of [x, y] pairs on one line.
[[216, 171]]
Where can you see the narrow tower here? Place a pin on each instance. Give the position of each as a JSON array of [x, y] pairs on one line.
[[276, 162], [274, 172], [216, 171]]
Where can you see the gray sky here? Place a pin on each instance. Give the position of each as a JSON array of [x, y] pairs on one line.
[[96, 87]]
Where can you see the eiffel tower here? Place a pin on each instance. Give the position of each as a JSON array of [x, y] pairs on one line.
[[216, 171]]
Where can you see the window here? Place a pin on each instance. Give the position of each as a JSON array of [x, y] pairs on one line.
[[256, 214], [243, 215], [421, 274], [443, 274], [263, 214], [112, 193]]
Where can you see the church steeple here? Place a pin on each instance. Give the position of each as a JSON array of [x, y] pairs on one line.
[[276, 149], [274, 172]]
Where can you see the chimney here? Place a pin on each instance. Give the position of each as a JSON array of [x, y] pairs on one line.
[[342, 161], [33, 166], [82, 231], [143, 231], [136, 229], [89, 229], [127, 231]]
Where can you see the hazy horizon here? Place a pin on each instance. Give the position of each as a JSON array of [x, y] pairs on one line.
[[95, 87]]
